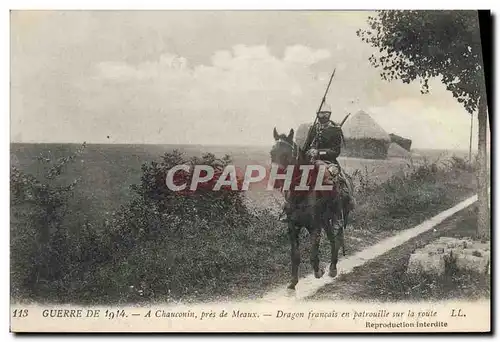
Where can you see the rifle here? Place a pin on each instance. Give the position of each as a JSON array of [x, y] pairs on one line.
[[319, 109], [342, 123], [342, 133]]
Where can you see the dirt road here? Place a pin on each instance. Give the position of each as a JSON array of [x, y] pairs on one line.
[[309, 285]]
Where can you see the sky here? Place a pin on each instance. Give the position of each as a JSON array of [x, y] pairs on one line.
[[207, 77]]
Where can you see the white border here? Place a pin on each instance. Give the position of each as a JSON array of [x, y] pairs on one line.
[[186, 4], [249, 4]]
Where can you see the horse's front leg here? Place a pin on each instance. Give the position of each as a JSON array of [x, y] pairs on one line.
[[293, 233], [335, 235], [315, 235]]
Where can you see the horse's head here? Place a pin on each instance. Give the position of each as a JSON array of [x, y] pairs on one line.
[[284, 151]]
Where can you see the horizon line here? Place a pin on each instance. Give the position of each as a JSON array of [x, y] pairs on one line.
[[202, 144]]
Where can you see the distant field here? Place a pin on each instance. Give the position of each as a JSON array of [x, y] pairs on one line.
[[107, 171]]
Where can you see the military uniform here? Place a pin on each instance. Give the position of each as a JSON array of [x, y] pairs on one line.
[[327, 139]]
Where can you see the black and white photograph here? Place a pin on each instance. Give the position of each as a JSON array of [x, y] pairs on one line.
[[249, 171]]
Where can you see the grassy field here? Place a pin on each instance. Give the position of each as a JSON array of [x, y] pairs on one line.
[[140, 254]]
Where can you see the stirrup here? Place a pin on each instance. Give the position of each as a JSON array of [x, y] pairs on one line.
[[283, 217]]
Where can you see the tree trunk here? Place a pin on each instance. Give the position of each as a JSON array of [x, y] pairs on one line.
[[483, 182]]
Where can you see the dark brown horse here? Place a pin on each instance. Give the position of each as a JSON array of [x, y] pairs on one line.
[[311, 209]]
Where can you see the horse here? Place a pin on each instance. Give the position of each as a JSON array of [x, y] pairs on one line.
[[315, 210]]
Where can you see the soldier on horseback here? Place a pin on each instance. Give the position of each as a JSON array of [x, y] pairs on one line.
[[324, 143], [315, 209]]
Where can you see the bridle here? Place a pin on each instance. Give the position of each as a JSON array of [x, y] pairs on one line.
[[293, 145]]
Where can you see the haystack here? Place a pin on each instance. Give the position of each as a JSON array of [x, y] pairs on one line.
[[301, 134], [396, 151], [403, 142], [364, 137]]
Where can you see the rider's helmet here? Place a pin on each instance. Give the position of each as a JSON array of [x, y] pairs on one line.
[[325, 111]]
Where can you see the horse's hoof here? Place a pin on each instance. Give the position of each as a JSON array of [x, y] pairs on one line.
[[319, 273], [333, 273]]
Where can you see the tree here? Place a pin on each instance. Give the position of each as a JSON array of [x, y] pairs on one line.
[[420, 45]]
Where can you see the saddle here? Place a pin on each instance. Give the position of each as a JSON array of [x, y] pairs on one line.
[[335, 175]]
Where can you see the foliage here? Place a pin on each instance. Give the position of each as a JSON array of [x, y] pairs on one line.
[[426, 44], [40, 235], [459, 163], [362, 181], [202, 203], [158, 245], [419, 45], [422, 189]]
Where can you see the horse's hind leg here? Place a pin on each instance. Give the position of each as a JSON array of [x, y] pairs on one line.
[[344, 226], [293, 233], [315, 235]]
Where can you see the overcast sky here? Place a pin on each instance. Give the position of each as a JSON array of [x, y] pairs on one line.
[[206, 78]]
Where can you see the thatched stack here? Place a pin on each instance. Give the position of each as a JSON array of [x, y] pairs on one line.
[[403, 142], [364, 137], [301, 134], [396, 151]]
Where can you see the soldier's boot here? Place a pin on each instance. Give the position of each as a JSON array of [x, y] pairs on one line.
[[286, 210]]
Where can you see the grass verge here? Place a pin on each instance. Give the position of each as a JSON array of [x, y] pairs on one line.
[[385, 278]]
